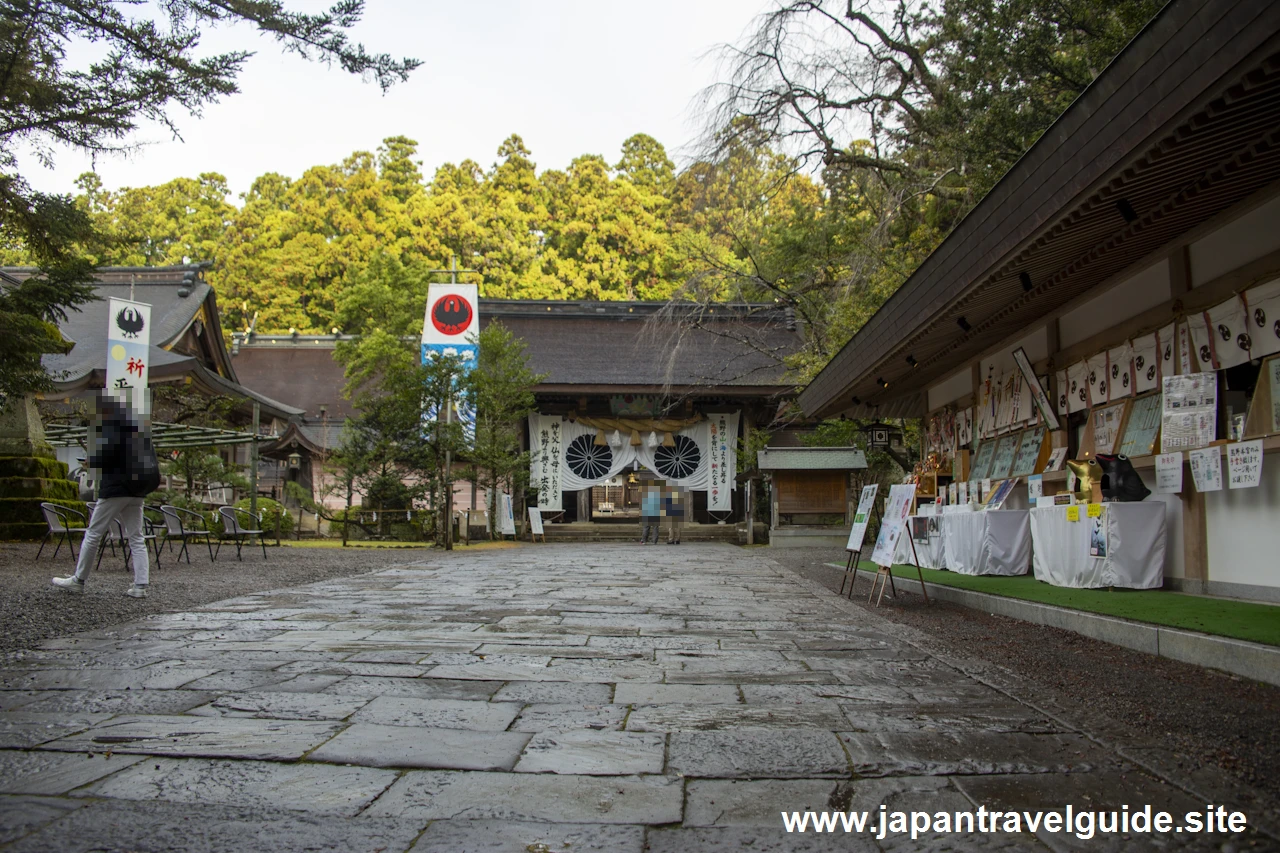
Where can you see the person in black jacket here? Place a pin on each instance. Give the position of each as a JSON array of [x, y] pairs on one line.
[[129, 471]]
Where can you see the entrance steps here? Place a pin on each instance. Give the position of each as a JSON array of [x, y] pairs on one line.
[[586, 531]]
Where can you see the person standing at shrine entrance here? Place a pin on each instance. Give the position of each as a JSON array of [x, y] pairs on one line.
[[673, 509], [650, 511]]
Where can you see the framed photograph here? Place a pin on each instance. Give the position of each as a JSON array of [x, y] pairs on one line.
[[1142, 429], [1002, 461], [1027, 458], [1107, 422], [982, 460]]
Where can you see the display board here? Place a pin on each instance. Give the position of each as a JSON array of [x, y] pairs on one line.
[[862, 517], [892, 522], [1107, 422], [1006, 449], [817, 492], [1142, 428], [982, 460], [1028, 455]]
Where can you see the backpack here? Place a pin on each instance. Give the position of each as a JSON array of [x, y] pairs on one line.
[[143, 476]]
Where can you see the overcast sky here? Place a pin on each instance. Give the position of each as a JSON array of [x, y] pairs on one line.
[[571, 77]]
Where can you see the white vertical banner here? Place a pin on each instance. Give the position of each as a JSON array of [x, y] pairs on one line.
[[724, 461], [546, 450], [128, 351], [449, 328]]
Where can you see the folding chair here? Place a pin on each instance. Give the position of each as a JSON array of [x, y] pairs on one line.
[[59, 519], [185, 526], [233, 530]]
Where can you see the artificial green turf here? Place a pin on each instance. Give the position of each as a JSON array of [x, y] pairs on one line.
[[1243, 620]]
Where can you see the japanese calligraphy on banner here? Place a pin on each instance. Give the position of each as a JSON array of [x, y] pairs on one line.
[[128, 351], [724, 461], [546, 440], [1244, 464]]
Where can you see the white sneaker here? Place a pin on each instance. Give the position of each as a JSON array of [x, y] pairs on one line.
[[135, 591], [70, 584]]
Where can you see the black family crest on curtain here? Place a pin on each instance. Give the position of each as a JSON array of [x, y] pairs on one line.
[[679, 461], [588, 460]]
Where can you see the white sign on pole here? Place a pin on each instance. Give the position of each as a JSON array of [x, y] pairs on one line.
[[896, 510], [1206, 469], [862, 517], [128, 351], [1244, 464], [1168, 473], [506, 518]]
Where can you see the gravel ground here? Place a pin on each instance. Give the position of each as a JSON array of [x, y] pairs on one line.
[[32, 609], [1207, 716]]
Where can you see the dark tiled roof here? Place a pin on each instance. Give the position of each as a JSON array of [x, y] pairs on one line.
[[649, 344], [302, 374]]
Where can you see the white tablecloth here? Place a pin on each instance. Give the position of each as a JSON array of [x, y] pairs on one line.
[[930, 553], [1135, 545], [995, 542]]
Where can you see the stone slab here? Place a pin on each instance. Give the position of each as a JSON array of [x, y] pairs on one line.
[[539, 718], [756, 753], [23, 729], [22, 815], [943, 754], [756, 839], [281, 706], [948, 718], [553, 692], [512, 836], [438, 713], [125, 825], [400, 746], [433, 795], [204, 737], [756, 803], [593, 753], [683, 718], [243, 679], [657, 694], [117, 702], [41, 772], [148, 678], [418, 688], [252, 784]]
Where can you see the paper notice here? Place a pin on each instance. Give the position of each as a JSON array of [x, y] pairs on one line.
[[1206, 469], [1244, 464], [1169, 473], [1035, 488], [1190, 411], [1073, 512]]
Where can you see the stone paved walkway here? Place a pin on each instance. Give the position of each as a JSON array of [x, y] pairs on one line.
[[550, 698]]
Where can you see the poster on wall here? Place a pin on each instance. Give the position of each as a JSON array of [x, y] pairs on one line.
[[1038, 395], [1189, 415], [897, 507], [862, 517], [1244, 464], [1168, 473], [1097, 515], [1206, 469]]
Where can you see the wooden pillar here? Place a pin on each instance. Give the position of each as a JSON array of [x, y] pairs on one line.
[[1195, 536], [584, 504], [1180, 272], [748, 426]]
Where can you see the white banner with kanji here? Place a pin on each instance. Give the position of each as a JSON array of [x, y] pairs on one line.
[[128, 351], [724, 461]]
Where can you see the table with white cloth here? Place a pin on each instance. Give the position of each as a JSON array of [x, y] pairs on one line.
[[1135, 546], [994, 542], [930, 552]]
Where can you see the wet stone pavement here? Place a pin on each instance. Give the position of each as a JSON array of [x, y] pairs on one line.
[[550, 698]]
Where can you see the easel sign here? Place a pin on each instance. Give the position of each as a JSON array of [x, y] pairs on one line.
[[535, 525], [506, 519], [857, 533], [897, 508]]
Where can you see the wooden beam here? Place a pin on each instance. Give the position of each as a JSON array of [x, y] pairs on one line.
[[1195, 536]]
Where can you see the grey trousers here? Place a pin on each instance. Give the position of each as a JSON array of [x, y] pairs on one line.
[[105, 512], [647, 525]]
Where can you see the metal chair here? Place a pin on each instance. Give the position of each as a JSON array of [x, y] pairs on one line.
[[232, 529], [185, 526], [154, 529], [59, 519]]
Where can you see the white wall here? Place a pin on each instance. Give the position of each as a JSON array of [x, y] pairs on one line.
[[1236, 244], [1174, 562], [1244, 538], [1036, 344], [951, 389], [1136, 294]]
